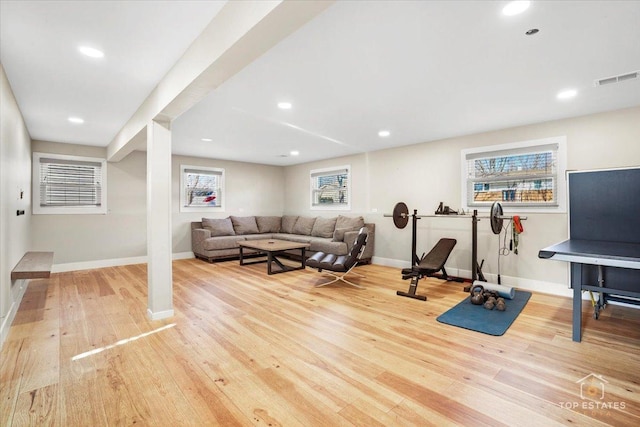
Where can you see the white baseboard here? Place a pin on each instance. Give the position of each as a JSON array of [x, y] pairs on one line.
[[160, 314], [7, 320], [102, 263]]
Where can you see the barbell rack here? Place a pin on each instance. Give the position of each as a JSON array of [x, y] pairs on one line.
[[401, 218]]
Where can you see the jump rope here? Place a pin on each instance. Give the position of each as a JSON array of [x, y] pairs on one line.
[[504, 249]]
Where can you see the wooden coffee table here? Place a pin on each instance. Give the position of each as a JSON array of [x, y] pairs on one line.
[[271, 248]]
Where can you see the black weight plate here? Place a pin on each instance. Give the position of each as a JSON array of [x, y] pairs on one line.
[[496, 220], [400, 215]]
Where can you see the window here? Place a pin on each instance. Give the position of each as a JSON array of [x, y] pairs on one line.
[[331, 188], [527, 174], [69, 184], [201, 189]]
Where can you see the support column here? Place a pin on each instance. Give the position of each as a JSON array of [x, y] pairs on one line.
[[159, 247]]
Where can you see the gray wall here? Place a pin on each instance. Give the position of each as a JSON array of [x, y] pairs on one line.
[[251, 189], [422, 175], [15, 176], [121, 233]]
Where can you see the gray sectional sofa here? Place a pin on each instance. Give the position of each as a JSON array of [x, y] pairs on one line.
[[217, 238]]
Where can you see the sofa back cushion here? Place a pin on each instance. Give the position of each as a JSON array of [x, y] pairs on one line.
[[288, 222], [324, 227], [244, 224], [304, 225], [218, 226], [268, 224], [356, 222]]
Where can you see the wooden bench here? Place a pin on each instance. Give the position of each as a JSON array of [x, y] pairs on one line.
[[33, 265]]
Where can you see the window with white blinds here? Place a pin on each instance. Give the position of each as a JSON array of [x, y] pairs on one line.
[[331, 188], [526, 174], [69, 184], [201, 189]]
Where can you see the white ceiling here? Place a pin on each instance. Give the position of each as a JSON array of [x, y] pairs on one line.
[[424, 70]]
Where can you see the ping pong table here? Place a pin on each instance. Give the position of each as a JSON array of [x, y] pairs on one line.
[[589, 256]]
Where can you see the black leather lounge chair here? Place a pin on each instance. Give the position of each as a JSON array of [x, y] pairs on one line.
[[336, 264]]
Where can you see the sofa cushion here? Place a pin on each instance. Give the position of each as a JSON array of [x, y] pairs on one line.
[[323, 227], [329, 247], [261, 236], [218, 226], [268, 224], [350, 222], [304, 225], [288, 222], [298, 238], [244, 224], [222, 242], [338, 234]]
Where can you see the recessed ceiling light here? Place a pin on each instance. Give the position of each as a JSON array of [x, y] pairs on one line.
[[284, 105], [206, 139], [384, 133], [567, 94], [91, 52], [76, 120], [515, 7], [294, 153]]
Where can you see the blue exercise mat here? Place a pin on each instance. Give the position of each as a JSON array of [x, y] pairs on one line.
[[477, 318]]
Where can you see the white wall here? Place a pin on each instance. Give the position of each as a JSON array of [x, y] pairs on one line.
[[422, 175], [15, 176], [87, 241]]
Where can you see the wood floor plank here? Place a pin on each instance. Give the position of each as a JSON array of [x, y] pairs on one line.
[[37, 407], [245, 348]]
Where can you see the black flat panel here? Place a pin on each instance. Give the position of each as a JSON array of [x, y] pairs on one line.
[[605, 205]]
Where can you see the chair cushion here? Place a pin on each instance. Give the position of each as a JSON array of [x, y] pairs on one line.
[[304, 225], [218, 226], [324, 227], [244, 224], [269, 224], [288, 221], [331, 262]]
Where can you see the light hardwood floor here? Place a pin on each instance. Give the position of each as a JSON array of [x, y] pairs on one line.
[[245, 348]]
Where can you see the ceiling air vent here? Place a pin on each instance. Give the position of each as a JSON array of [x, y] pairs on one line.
[[618, 78]]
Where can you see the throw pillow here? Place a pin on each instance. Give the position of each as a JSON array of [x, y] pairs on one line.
[[218, 226], [324, 227], [304, 226], [288, 222], [338, 234], [244, 224], [268, 224], [347, 222]]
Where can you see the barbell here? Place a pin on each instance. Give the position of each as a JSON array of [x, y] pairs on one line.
[[496, 216]]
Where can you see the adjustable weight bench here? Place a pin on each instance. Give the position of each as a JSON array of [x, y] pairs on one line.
[[428, 266]]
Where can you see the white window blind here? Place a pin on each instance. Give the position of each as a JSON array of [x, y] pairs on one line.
[[521, 175], [331, 188], [69, 184], [201, 188]]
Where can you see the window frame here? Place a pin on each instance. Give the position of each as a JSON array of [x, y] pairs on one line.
[[37, 209], [516, 148], [329, 171], [183, 189]]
